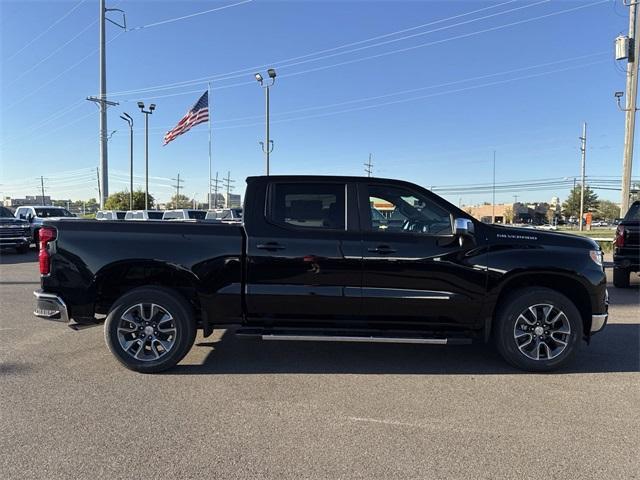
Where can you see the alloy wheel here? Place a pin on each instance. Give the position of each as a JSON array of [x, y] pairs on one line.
[[146, 331], [542, 332]]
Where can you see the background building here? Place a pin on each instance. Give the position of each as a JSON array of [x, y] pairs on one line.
[[28, 200]]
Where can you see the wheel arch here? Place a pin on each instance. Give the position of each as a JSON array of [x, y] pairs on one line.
[[116, 279], [566, 284]]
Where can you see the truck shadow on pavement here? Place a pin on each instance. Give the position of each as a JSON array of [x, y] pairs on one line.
[[9, 257], [613, 350]]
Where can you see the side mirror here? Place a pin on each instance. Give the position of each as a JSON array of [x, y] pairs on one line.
[[463, 227]]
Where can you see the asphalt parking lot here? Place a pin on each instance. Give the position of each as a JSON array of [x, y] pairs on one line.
[[244, 409]]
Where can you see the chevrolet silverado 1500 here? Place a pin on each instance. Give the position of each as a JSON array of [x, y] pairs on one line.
[[325, 259]]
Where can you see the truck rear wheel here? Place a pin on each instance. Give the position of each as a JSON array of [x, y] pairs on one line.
[[621, 277], [150, 329], [537, 329]]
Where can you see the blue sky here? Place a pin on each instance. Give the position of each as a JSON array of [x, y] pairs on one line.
[[431, 106]]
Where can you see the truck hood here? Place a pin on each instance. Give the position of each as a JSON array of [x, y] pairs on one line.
[[8, 221], [531, 236]]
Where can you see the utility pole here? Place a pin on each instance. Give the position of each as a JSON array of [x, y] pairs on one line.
[[630, 111], [99, 190], [177, 187], [216, 184], [583, 151], [493, 202], [104, 167], [102, 101], [515, 199], [368, 167], [42, 187], [227, 184]]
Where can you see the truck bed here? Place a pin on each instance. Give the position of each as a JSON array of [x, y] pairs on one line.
[[99, 259]]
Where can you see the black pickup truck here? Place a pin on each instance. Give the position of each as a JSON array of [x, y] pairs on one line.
[[326, 259], [626, 247]]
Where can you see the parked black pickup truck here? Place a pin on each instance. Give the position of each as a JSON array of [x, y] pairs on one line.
[[326, 259], [626, 252]]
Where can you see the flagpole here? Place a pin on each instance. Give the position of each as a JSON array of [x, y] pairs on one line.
[[209, 106]]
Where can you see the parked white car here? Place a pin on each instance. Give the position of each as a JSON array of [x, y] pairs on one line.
[[110, 214], [143, 215], [184, 214], [225, 214]]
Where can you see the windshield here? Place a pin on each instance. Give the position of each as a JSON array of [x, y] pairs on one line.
[[53, 212], [634, 212], [197, 214], [5, 212]]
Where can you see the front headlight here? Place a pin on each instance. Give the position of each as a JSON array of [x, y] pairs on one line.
[[597, 256]]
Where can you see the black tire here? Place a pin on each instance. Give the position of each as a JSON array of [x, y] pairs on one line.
[[182, 322], [508, 321], [22, 248], [621, 277]]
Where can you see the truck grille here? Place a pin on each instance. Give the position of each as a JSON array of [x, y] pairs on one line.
[[6, 232]]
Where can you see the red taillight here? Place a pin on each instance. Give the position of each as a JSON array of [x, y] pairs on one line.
[[45, 235], [619, 241]]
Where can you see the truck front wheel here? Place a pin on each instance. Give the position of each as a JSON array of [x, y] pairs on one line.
[[150, 329], [537, 329]]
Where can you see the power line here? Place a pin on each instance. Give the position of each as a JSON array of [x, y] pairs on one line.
[[51, 80], [410, 99], [37, 37], [177, 186], [215, 183], [37, 64], [171, 20], [227, 183], [361, 59], [368, 167], [421, 97], [280, 63]]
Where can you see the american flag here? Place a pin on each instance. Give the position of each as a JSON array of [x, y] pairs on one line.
[[199, 113]]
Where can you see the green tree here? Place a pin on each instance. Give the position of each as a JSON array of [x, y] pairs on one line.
[[120, 201], [608, 210], [508, 215], [181, 202], [571, 207]]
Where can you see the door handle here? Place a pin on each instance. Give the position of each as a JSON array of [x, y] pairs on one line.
[[270, 246], [382, 249]]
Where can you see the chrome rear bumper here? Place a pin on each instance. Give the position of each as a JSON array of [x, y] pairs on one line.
[[50, 307]]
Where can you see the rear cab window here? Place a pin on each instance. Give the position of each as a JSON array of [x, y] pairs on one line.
[[319, 206]]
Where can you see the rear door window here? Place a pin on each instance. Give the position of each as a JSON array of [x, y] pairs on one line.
[[309, 205]]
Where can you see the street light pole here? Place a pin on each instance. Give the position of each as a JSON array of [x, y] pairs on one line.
[[267, 146], [266, 95], [127, 118], [152, 107]]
